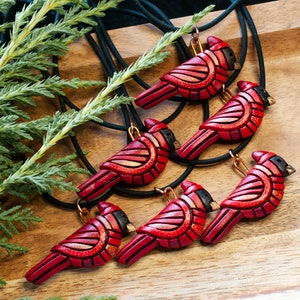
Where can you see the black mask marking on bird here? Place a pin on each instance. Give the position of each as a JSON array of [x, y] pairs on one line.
[[207, 200], [122, 220], [282, 165], [171, 139], [231, 59], [265, 96]]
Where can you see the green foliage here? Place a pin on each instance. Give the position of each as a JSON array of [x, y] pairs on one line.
[[10, 248], [43, 177], [2, 282], [9, 217], [30, 49], [5, 5], [9, 220]]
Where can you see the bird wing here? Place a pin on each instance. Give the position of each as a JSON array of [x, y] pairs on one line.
[[88, 241], [140, 156], [259, 193], [196, 73], [238, 116], [174, 220]]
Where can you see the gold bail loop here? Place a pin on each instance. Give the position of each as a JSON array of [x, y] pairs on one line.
[[225, 95], [133, 132], [84, 213], [239, 164], [195, 42], [166, 193]]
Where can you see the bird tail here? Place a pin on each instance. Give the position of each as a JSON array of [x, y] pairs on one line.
[[220, 225], [139, 246], [49, 266], [98, 184], [156, 94], [201, 140]]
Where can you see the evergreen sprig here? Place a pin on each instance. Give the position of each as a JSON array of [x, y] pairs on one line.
[[9, 217], [63, 123], [10, 248], [26, 36], [5, 5], [2, 282], [46, 176], [31, 47], [28, 52], [23, 92]]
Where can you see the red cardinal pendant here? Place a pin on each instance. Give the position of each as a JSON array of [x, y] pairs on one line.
[[176, 226], [256, 196], [92, 245], [138, 163], [197, 79], [237, 120]]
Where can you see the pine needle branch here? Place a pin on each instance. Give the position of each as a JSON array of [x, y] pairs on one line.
[[31, 47], [29, 50], [63, 123], [5, 5], [13, 135], [50, 87], [45, 177], [11, 248], [8, 220], [2, 282], [12, 131], [26, 31], [9, 217]]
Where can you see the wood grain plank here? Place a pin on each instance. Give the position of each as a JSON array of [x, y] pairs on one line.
[[258, 259]]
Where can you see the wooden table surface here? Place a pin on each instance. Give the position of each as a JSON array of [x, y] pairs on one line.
[[258, 259]]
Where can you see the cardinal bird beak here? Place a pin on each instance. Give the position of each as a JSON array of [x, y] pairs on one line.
[[177, 145], [271, 100], [237, 66], [131, 227], [290, 169], [214, 205]]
